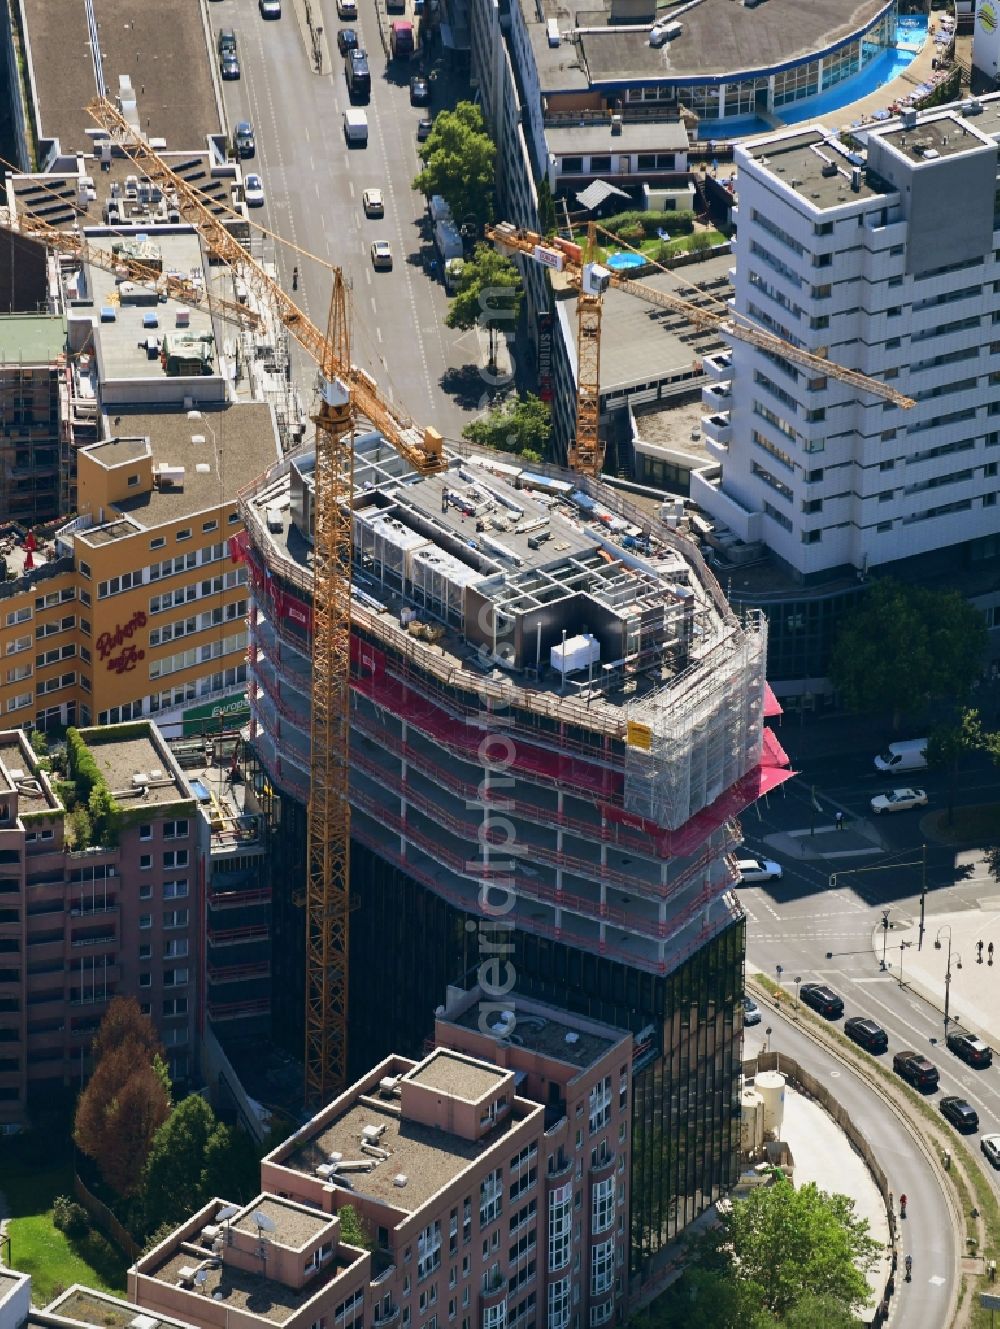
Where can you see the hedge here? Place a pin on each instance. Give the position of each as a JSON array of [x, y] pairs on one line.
[[650, 223]]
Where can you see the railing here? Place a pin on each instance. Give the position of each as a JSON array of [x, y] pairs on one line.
[[223, 899], [235, 973], [95, 941], [228, 936], [235, 1010]]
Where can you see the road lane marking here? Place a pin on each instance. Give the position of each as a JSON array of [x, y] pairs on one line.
[[378, 333]]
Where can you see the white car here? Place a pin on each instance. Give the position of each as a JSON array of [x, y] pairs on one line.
[[990, 1145], [381, 256], [753, 868], [269, 8], [751, 1011], [347, 8], [898, 800], [373, 203], [253, 191]]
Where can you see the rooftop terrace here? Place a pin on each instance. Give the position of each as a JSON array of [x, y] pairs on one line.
[[120, 759], [18, 770]]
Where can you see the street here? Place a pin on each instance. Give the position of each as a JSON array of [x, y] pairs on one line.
[[313, 185], [818, 930]]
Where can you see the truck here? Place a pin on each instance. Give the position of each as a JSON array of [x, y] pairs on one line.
[[448, 240], [401, 40], [356, 128], [453, 269]]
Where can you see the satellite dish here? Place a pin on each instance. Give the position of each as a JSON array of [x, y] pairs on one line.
[[264, 1222], [227, 1212]]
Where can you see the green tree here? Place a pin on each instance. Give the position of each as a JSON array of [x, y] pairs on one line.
[[172, 1186], [459, 160], [784, 1244], [949, 744], [819, 1312], [992, 860], [519, 424], [489, 296], [906, 646], [547, 220]]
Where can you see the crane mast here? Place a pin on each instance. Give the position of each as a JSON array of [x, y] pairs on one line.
[[346, 389]]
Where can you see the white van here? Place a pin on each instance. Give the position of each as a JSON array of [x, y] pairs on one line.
[[908, 756], [356, 128]]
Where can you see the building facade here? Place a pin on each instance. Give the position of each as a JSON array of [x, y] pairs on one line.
[[617, 899], [83, 922], [134, 608], [847, 255]]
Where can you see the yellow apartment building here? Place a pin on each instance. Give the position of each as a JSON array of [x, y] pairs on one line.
[[135, 608]]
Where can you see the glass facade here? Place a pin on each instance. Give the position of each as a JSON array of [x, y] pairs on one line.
[[407, 945]]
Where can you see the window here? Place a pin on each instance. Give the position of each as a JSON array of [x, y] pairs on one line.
[[812, 537], [490, 1197], [18, 616], [158, 542], [175, 1005], [176, 949], [146, 890], [175, 890], [175, 978], [429, 1249], [559, 1303], [145, 831], [602, 1268], [175, 918], [132, 481], [495, 1317], [175, 830], [145, 921], [145, 862], [175, 858], [208, 526], [115, 585], [560, 1226], [145, 951], [145, 980], [599, 1104], [602, 1206], [185, 534]]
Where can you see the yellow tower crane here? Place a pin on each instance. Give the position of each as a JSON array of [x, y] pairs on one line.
[[576, 263], [346, 389]]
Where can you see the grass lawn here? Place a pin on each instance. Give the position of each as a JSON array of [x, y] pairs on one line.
[[37, 1247], [651, 247]]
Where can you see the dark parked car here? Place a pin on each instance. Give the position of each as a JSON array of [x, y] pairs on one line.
[[347, 40], [243, 139], [822, 999], [424, 128], [227, 41], [962, 1115], [915, 1070], [867, 1034], [229, 65], [420, 91], [971, 1049]]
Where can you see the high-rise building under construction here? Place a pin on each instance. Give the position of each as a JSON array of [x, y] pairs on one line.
[[556, 720]]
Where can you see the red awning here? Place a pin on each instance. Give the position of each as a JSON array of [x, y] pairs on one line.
[[772, 706]]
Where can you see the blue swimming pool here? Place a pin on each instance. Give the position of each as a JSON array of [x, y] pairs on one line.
[[911, 35], [620, 261], [200, 790]]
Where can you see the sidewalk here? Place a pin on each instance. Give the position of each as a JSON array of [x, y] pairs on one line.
[[974, 986]]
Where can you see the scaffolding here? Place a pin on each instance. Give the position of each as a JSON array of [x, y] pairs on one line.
[[693, 739]]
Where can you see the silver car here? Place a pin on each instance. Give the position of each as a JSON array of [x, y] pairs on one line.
[[898, 800]]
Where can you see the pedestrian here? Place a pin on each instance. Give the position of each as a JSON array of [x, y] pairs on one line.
[[839, 819], [295, 278]]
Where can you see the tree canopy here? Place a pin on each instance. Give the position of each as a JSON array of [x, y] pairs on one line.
[[489, 296], [193, 1157], [459, 160], [949, 744], [905, 646], [782, 1244], [519, 424]]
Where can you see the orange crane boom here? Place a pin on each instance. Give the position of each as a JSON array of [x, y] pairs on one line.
[[574, 260], [345, 389]]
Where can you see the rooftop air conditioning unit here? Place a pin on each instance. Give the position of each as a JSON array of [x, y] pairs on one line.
[[400, 1180], [553, 32], [140, 780]]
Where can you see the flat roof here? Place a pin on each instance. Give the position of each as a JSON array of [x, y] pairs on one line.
[[102, 1310], [293, 1226], [802, 161], [172, 79], [118, 759], [31, 339], [634, 136], [457, 1076], [545, 1030], [237, 442], [644, 343], [260, 1296], [720, 37], [13, 758], [429, 1157], [54, 197], [939, 136], [135, 313]]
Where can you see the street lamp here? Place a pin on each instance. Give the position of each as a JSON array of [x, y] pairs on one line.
[[798, 980], [946, 927], [767, 1039], [885, 935]]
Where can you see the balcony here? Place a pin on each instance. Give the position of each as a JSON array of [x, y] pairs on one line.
[[718, 367], [233, 936], [238, 1010], [717, 397], [718, 428], [383, 1321], [603, 1167], [110, 940], [237, 973]]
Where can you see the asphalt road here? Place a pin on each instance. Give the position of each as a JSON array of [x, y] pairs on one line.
[[816, 932], [313, 186], [923, 1303]]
